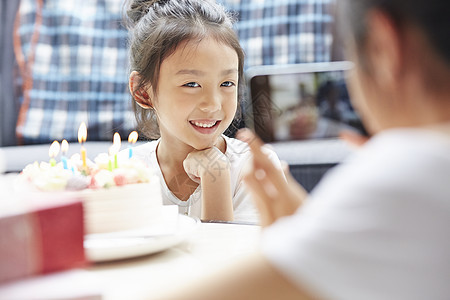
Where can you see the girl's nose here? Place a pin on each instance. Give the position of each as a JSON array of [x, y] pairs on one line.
[[211, 102]]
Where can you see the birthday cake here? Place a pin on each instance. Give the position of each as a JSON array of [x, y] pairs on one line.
[[116, 196]]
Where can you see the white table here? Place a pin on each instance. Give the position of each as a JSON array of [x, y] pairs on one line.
[[211, 246]]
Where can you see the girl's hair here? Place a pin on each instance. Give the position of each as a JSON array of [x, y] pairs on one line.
[[158, 27], [432, 16]]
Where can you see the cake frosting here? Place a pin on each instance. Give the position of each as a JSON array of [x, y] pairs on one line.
[[114, 198]]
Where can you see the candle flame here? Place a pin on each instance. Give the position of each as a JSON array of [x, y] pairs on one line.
[[132, 138], [82, 133], [54, 149], [64, 146]]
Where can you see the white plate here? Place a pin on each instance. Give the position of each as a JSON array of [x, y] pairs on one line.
[[111, 246]]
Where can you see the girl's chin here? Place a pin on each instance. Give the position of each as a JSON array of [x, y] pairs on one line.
[[207, 143]]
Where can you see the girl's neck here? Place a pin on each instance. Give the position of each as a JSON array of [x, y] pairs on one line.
[[171, 155]]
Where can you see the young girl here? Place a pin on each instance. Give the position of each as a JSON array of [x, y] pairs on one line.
[[186, 65]]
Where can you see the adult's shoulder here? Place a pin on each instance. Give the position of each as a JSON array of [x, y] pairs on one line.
[[397, 166]]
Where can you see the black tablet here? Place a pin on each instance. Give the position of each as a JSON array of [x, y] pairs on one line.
[[300, 101]]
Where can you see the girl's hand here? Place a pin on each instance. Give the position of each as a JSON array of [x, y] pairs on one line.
[[211, 168], [209, 162], [276, 194]]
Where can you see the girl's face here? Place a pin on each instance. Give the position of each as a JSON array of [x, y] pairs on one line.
[[197, 93]]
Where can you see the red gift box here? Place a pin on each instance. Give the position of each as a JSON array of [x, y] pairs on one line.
[[44, 237]]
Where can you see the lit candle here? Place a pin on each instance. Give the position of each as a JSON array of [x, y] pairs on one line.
[[110, 152], [82, 135], [64, 149], [53, 152], [116, 147], [132, 138]]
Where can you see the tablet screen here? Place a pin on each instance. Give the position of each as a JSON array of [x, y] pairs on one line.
[[302, 103]]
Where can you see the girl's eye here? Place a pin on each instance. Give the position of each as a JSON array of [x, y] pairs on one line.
[[228, 84], [192, 84]]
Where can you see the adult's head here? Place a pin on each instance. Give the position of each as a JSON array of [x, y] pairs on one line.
[[402, 54], [157, 29]]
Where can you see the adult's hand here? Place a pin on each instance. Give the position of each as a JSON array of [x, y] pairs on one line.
[[354, 139], [276, 194]]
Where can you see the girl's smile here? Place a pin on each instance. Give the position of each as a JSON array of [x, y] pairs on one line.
[[205, 126]]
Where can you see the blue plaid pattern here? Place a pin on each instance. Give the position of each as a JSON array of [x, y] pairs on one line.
[[78, 64], [79, 71], [284, 31]]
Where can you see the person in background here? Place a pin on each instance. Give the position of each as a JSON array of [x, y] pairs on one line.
[[187, 65], [377, 226]]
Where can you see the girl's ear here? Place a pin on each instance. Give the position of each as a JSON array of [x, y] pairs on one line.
[[140, 95]]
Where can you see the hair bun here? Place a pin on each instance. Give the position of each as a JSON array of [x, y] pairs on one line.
[[136, 9]]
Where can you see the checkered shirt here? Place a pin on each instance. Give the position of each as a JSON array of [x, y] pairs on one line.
[[283, 31], [73, 62]]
